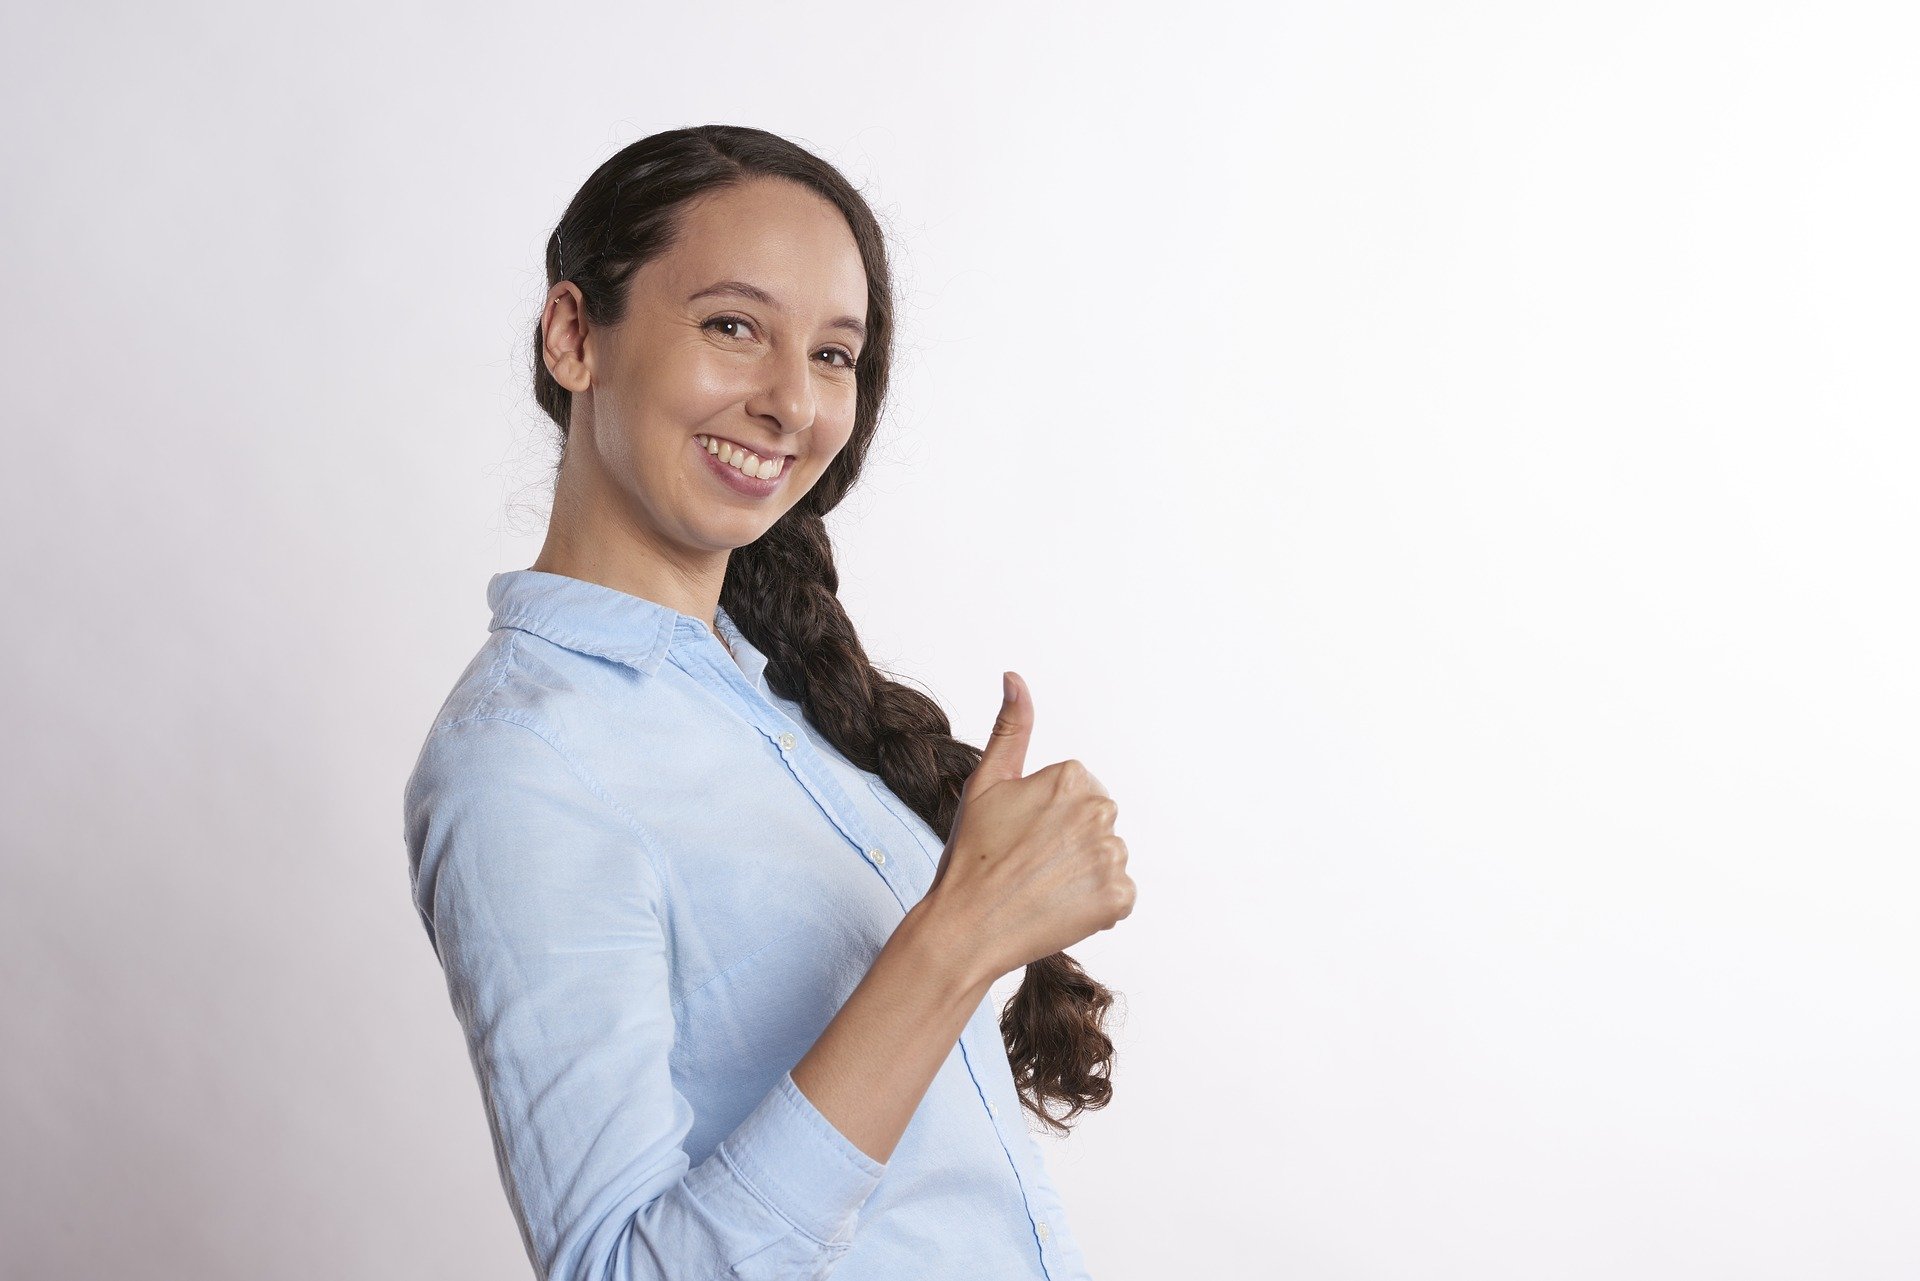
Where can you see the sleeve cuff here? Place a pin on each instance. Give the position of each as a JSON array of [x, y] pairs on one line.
[[792, 1158]]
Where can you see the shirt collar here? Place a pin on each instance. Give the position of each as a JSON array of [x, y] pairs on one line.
[[591, 618]]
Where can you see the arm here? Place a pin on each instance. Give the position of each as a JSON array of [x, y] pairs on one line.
[[874, 1062], [546, 915]]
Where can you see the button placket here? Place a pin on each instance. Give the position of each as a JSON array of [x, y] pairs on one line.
[[1000, 1132], [839, 808]]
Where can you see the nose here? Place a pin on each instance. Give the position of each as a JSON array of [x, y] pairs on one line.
[[787, 398]]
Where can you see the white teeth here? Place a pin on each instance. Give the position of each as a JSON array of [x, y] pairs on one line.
[[743, 459]]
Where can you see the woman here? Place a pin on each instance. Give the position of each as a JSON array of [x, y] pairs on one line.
[[719, 904]]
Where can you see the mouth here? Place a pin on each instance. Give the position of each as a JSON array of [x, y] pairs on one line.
[[741, 469], [734, 453]]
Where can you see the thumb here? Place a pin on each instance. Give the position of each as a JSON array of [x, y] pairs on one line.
[[1005, 755]]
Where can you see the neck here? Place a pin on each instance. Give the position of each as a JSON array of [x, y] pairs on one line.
[[584, 542]]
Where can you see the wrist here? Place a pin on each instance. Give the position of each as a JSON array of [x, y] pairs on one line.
[[947, 947]]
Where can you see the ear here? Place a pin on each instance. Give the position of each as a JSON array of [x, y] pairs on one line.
[[564, 338]]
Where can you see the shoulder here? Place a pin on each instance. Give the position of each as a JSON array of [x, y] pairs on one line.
[[580, 704], [499, 794], [519, 676], [521, 715]]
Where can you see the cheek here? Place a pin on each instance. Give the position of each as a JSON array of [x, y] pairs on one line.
[[682, 387], [706, 381], [840, 430]]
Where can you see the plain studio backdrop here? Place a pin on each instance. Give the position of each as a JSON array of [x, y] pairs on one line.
[[1449, 470]]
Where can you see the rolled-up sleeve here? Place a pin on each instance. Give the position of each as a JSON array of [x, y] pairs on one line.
[[545, 910]]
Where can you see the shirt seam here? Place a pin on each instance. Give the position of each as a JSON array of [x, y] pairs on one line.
[[586, 779]]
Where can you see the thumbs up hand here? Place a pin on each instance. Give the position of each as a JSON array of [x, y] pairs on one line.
[[1033, 865]]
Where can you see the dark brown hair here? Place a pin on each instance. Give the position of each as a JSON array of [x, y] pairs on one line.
[[783, 590]]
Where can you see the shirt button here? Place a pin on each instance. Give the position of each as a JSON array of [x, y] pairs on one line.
[[1043, 1230], [786, 742], [876, 857], [992, 1110]]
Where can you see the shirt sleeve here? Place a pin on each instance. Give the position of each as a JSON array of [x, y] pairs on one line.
[[546, 915]]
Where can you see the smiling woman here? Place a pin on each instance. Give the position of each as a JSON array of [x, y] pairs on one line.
[[743, 1031]]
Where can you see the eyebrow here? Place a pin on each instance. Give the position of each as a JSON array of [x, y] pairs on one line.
[[765, 299]]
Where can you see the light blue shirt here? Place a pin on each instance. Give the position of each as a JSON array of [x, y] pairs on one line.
[[651, 884]]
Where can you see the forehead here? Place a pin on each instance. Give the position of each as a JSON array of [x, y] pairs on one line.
[[773, 233]]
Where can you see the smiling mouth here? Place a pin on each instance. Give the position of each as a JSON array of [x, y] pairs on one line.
[[744, 460]]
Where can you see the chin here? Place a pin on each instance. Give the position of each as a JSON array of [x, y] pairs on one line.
[[733, 531]]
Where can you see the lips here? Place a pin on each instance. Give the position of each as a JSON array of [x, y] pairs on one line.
[[738, 481]]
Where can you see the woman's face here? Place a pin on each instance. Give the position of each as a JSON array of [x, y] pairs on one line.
[[701, 356]]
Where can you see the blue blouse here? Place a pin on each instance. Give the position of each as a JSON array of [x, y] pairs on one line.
[[651, 884]]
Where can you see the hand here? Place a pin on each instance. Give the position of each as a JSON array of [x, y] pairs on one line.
[[1033, 865]]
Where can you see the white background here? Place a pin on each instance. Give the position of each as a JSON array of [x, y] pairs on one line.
[[1450, 470]]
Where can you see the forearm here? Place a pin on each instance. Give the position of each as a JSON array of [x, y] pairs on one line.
[[875, 1060]]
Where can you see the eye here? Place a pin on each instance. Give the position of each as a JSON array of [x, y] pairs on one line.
[[852, 361], [728, 320]]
